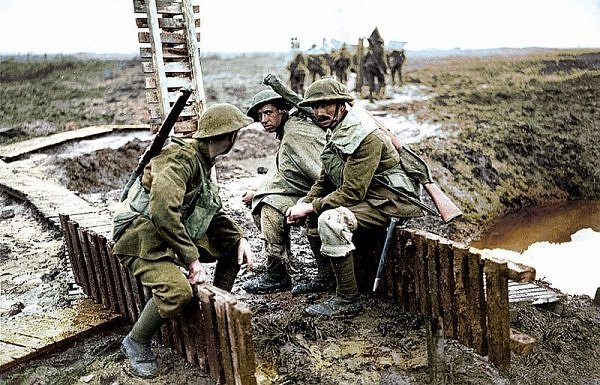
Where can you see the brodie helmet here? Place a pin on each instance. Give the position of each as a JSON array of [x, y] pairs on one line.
[[219, 119], [325, 90]]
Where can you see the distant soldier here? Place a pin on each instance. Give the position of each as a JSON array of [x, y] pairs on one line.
[[298, 72], [342, 64], [374, 65], [395, 60], [315, 63]]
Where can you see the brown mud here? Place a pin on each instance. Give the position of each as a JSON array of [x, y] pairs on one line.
[[518, 130]]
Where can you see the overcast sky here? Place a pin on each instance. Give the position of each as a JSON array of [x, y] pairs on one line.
[[108, 26]]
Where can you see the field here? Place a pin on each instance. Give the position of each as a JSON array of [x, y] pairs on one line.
[[517, 129]]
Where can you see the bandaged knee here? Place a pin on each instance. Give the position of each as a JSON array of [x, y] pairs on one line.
[[335, 230]]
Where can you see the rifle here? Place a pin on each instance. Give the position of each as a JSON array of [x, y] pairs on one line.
[[386, 245], [159, 139], [446, 209]]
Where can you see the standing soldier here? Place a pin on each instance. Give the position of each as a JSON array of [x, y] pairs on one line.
[[395, 60], [296, 167], [298, 72], [346, 196], [172, 219], [342, 64], [375, 66]]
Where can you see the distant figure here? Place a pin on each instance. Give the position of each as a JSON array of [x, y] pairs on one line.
[[374, 66], [342, 64], [315, 64], [298, 72], [395, 60]]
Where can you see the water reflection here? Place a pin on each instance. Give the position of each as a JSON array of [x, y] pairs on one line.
[[554, 223], [561, 242]]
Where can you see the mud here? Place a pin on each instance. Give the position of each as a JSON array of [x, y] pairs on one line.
[[509, 125]]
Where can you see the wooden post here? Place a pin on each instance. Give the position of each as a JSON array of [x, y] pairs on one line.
[[498, 313], [435, 330]]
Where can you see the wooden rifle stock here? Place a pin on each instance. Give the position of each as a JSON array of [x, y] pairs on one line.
[[159, 139], [447, 209]]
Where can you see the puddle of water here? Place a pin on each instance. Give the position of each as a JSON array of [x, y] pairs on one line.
[[561, 242], [405, 126]]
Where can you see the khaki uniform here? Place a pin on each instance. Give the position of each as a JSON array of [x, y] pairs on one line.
[[356, 153], [296, 166], [174, 217]]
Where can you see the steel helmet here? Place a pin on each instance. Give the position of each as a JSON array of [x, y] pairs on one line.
[[263, 97], [325, 90], [219, 119]]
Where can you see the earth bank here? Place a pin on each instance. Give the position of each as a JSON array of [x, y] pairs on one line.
[[513, 124]]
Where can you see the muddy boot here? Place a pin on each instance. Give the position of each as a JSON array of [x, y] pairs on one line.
[[324, 280], [346, 302], [273, 280], [225, 273], [136, 345]]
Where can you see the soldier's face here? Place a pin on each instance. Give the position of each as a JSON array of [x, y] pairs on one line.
[[270, 117], [328, 114]]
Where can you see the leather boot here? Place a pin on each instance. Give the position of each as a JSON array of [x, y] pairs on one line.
[[346, 302], [324, 280], [136, 345], [273, 280]]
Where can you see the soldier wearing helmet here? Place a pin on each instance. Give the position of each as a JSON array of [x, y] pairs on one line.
[[172, 219], [294, 169], [346, 197]]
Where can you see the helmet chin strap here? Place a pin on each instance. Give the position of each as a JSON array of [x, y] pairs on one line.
[[334, 120]]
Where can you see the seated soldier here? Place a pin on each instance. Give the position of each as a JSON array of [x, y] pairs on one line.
[[346, 196], [296, 167]]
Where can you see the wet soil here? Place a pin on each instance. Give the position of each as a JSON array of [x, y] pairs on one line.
[[517, 130]]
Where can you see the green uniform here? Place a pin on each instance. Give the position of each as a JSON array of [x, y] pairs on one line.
[[297, 165], [356, 152], [174, 217]]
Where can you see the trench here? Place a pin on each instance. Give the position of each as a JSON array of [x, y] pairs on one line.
[[560, 241]]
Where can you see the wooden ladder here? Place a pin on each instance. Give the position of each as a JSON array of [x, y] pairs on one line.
[[170, 56]]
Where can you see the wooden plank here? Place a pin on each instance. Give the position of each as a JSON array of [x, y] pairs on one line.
[[103, 280], [476, 297], [15, 150], [463, 308], [118, 303], [242, 325], [90, 267], [188, 335], [447, 288], [172, 82], [78, 261], [517, 272], [223, 334], [498, 313], [155, 40], [409, 273], [128, 293], [192, 39], [421, 281], [206, 298], [167, 68], [166, 23], [164, 7], [168, 53]]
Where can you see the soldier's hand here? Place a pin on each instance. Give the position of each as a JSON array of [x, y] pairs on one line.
[[196, 273], [245, 254], [247, 197], [296, 214]]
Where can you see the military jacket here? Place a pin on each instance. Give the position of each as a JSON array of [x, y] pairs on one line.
[[296, 166], [183, 211], [356, 153]]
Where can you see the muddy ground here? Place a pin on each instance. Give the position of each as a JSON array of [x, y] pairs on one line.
[[516, 129]]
